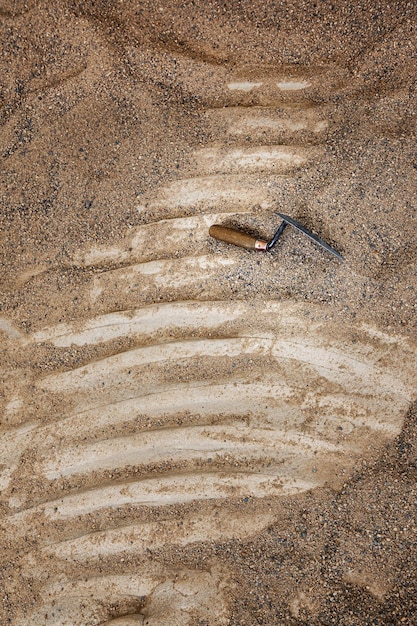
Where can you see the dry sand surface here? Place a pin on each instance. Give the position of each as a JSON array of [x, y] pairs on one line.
[[193, 433]]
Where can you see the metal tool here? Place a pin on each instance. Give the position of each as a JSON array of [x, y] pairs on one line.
[[230, 235]]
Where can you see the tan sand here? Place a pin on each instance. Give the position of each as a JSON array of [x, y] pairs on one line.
[[193, 433]]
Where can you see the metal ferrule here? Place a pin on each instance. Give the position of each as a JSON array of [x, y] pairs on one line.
[[261, 245]]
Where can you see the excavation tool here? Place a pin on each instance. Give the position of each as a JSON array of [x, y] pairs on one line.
[[230, 235]]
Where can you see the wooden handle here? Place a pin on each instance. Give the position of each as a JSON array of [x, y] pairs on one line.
[[229, 235]]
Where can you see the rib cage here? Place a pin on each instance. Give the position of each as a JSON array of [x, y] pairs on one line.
[[177, 400]]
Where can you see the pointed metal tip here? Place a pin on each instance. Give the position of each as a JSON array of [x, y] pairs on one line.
[[312, 236], [284, 217]]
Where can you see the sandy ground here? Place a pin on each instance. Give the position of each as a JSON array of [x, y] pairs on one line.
[[127, 128]]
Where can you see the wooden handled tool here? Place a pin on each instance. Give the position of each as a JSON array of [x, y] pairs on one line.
[[229, 235]]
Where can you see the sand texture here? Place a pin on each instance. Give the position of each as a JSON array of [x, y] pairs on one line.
[[194, 434]]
